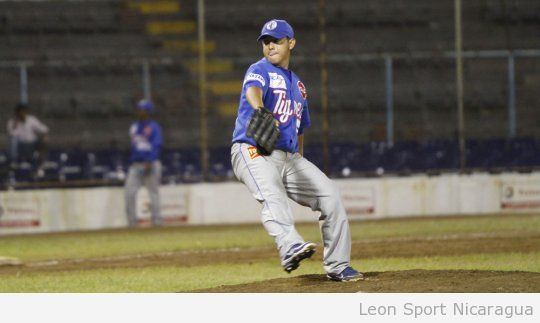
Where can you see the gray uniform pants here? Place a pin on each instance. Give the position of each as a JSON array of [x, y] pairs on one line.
[[138, 176], [272, 179]]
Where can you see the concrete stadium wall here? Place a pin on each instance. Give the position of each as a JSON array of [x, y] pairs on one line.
[[100, 208]]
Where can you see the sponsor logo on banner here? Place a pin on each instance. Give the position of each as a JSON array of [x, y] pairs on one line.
[[520, 196], [253, 152], [173, 201], [20, 211], [358, 200]]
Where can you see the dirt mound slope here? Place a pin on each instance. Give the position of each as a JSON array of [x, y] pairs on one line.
[[408, 281]]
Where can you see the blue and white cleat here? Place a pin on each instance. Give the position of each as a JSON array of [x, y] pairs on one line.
[[348, 274], [297, 253]]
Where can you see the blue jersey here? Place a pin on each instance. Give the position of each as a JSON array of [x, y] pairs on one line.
[[145, 141], [284, 95]]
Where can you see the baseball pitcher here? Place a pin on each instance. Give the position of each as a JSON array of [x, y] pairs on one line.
[[267, 157], [145, 168]]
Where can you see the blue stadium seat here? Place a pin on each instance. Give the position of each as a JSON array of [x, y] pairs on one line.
[[73, 165]]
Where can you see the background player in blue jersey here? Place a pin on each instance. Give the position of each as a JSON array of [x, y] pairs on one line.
[[284, 173], [145, 168]]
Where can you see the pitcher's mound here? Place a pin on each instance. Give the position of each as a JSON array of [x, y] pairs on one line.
[[408, 281]]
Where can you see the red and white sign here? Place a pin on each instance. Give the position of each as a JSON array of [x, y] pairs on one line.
[[358, 200], [20, 211], [173, 205], [520, 196]]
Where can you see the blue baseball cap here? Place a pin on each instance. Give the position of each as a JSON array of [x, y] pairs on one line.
[[276, 28], [145, 105]]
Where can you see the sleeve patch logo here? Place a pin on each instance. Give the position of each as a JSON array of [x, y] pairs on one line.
[[302, 89], [255, 77]]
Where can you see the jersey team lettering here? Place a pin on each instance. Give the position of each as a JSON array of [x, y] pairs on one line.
[[283, 107]]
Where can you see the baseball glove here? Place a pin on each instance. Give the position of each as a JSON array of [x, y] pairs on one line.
[[262, 127]]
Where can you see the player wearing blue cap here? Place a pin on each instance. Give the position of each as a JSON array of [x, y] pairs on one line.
[[145, 168], [273, 175]]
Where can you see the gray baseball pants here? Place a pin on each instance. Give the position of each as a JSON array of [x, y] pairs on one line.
[[137, 177], [274, 178]]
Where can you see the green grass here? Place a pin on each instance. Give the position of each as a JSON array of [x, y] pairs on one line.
[[498, 261], [122, 242], [154, 279], [444, 225], [174, 279]]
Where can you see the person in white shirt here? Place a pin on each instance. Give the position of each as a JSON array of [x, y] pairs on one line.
[[27, 136]]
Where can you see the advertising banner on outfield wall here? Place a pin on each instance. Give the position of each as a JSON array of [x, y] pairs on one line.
[[20, 211], [173, 200], [520, 196], [358, 198], [51, 210]]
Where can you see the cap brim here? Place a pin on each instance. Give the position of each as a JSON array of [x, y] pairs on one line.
[[270, 34]]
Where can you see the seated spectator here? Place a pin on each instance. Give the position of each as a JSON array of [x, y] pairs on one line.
[[27, 137]]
